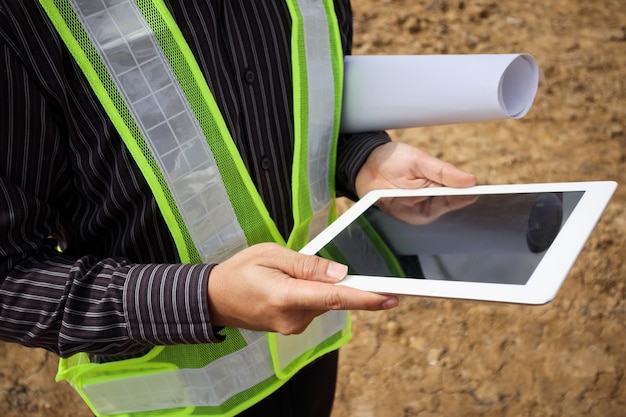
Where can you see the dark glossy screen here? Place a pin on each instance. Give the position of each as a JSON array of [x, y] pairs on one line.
[[497, 238]]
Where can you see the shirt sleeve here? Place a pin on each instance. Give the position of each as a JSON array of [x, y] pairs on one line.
[[167, 304], [352, 152], [103, 307]]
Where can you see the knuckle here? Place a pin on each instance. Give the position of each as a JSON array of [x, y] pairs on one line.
[[308, 266], [334, 301], [270, 249]]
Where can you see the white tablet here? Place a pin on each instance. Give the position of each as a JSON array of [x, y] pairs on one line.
[[507, 243]]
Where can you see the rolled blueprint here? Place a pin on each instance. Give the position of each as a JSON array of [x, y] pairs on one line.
[[400, 91]]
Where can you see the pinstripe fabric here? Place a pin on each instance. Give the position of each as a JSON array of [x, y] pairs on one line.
[[66, 179]]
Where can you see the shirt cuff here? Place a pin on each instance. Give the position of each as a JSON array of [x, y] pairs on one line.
[[352, 152], [168, 304]]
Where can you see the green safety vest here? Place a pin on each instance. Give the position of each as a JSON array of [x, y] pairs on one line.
[[144, 74]]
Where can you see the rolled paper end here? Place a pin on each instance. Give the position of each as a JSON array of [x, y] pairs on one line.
[[518, 86]]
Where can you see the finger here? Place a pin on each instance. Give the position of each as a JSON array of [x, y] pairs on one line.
[[319, 296], [435, 207], [423, 210]]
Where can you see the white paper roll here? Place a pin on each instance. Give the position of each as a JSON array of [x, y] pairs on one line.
[[400, 91]]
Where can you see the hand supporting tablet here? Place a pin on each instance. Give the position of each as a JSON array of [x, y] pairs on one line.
[[509, 243]]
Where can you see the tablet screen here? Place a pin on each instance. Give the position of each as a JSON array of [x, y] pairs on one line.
[[492, 238]]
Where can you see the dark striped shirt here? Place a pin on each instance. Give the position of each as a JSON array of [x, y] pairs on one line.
[[67, 180]]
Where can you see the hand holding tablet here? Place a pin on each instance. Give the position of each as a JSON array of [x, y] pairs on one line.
[[508, 243]]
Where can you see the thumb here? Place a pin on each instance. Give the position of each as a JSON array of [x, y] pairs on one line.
[[315, 268]]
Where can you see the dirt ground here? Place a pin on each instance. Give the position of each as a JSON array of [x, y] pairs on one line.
[[432, 357]]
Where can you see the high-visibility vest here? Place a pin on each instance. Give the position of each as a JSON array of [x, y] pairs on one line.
[[144, 74]]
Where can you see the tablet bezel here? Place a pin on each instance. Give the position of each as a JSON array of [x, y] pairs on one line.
[[545, 281]]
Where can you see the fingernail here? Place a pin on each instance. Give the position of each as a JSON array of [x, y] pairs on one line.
[[336, 271], [390, 303]]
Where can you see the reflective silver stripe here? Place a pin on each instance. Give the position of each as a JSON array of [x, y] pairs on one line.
[[321, 99], [288, 348], [319, 221], [213, 384], [208, 386], [131, 53]]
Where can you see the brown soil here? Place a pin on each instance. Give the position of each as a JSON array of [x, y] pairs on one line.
[[433, 357]]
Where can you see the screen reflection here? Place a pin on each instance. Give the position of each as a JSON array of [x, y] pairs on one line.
[[497, 238]]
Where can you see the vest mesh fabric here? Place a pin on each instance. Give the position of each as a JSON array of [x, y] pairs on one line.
[[253, 218], [122, 119]]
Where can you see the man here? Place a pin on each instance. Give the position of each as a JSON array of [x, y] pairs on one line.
[[96, 257]]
